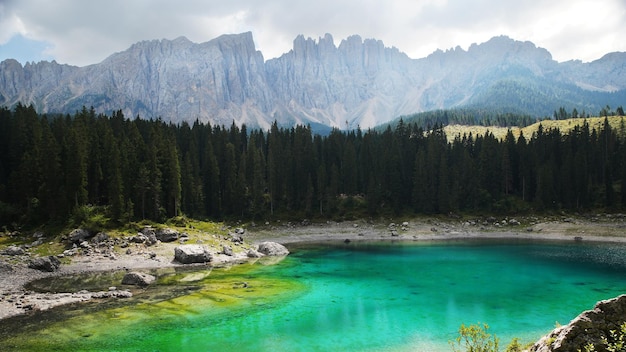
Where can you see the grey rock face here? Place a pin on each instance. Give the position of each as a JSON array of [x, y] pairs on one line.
[[357, 83], [273, 249], [192, 253], [586, 328]]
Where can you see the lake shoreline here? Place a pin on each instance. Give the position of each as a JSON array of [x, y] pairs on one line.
[[15, 299]]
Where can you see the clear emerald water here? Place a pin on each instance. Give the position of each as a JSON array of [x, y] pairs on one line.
[[354, 297]]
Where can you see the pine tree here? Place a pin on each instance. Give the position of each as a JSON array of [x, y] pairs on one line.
[[228, 182], [211, 182], [153, 196], [51, 189], [172, 178], [274, 166], [75, 150]]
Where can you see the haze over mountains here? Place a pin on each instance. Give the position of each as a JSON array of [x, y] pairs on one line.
[[355, 83]]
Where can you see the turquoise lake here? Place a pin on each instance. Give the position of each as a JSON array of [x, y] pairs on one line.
[[343, 297]]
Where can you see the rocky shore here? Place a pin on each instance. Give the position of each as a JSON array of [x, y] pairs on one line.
[[98, 253], [145, 251]]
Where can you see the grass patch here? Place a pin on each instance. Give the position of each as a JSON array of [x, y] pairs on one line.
[[565, 126]]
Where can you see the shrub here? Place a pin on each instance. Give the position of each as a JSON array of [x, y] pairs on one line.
[[615, 342], [475, 338]]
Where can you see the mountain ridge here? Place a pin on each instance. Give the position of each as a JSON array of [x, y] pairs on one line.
[[359, 82]]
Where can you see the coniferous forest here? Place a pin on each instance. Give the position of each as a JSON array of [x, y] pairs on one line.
[[133, 169]]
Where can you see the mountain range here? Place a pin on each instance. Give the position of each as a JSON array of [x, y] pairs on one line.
[[356, 83]]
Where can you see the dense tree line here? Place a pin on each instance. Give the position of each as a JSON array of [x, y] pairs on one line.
[[146, 169], [501, 117], [466, 116]]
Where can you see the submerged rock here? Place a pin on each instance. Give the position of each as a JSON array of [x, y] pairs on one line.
[[192, 253], [138, 279], [273, 249], [112, 294]]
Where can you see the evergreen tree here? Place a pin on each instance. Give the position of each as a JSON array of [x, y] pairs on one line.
[[75, 150], [113, 176], [51, 186], [51, 166], [172, 178], [211, 182]]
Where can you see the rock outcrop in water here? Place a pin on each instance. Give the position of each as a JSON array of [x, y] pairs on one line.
[[138, 279], [589, 327]]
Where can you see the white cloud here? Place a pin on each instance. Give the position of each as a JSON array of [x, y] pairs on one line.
[[86, 32], [10, 26]]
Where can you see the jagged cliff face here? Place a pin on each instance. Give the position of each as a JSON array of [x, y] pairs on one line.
[[356, 83], [178, 80]]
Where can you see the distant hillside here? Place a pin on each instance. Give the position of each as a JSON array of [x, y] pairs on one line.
[[617, 123], [355, 83]]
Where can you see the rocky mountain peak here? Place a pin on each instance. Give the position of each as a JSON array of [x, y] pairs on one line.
[[242, 43], [359, 82], [505, 48]]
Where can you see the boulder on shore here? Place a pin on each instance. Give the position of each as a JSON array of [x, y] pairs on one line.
[[100, 237], [167, 235], [192, 253], [253, 254], [79, 235], [138, 279], [49, 263], [14, 250], [227, 250], [5, 267], [272, 249]]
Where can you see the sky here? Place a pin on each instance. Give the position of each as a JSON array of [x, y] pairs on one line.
[[81, 33]]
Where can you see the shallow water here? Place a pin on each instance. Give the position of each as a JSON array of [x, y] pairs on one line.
[[354, 297]]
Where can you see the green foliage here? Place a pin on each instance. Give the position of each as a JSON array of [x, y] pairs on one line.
[[90, 217], [614, 342], [467, 117], [514, 346], [475, 338]]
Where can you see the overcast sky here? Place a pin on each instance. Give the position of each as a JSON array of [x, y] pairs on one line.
[[80, 32]]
